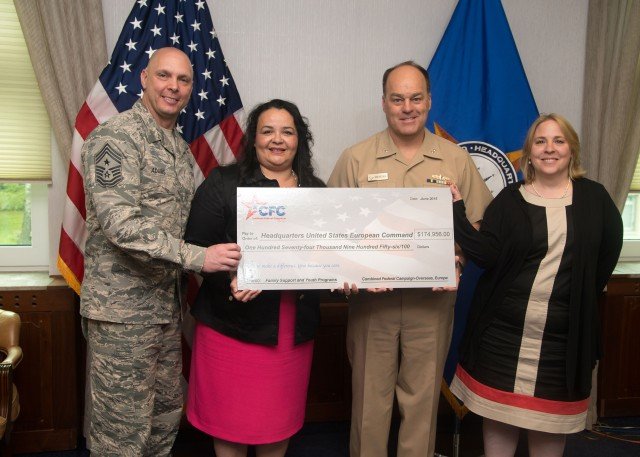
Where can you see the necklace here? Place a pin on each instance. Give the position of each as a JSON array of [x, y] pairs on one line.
[[566, 189], [295, 178], [292, 176]]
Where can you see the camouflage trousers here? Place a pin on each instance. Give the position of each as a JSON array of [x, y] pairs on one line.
[[134, 403]]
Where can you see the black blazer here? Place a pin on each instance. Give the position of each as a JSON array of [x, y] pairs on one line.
[[212, 220]]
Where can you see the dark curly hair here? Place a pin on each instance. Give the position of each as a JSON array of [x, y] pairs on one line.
[[302, 163]]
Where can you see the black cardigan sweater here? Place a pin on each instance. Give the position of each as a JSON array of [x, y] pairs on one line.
[[212, 220], [501, 245]]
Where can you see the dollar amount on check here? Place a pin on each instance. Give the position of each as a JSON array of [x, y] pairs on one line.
[[322, 238]]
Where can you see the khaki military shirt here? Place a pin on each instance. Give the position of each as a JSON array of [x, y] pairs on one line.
[[138, 189], [376, 162]]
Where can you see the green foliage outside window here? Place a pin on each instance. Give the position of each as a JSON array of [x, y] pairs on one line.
[[15, 214]]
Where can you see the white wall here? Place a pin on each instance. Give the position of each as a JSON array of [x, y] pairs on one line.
[[329, 58]]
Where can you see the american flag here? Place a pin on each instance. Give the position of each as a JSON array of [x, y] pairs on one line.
[[210, 123]]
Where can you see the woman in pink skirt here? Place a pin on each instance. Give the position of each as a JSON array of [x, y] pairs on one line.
[[252, 350]]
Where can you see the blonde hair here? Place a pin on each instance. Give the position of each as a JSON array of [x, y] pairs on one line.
[[575, 170]]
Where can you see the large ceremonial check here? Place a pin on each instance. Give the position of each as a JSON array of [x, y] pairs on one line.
[[317, 238]]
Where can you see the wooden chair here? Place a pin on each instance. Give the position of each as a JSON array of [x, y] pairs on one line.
[[9, 401]]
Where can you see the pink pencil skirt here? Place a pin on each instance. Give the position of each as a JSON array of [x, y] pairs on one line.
[[249, 393]]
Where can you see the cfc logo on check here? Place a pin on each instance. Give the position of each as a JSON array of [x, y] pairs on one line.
[[260, 209], [266, 211]]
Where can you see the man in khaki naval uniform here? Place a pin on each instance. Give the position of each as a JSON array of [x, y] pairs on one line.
[[138, 187], [397, 340]]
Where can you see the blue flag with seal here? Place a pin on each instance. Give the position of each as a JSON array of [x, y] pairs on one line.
[[482, 101]]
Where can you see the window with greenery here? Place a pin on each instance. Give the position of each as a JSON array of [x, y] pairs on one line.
[[631, 211], [15, 214], [631, 216]]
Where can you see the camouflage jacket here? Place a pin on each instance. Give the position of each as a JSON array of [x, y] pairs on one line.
[[138, 190]]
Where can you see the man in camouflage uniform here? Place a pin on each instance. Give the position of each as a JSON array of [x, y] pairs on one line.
[[138, 187]]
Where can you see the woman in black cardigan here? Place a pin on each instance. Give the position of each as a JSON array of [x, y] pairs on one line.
[[548, 246], [252, 349]]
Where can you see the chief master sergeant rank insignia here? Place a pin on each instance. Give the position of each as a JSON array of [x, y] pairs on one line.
[[108, 167]]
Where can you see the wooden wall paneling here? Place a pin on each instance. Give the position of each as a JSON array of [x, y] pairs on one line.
[[619, 369], [329, 397], [64, 374], [33, 376]]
